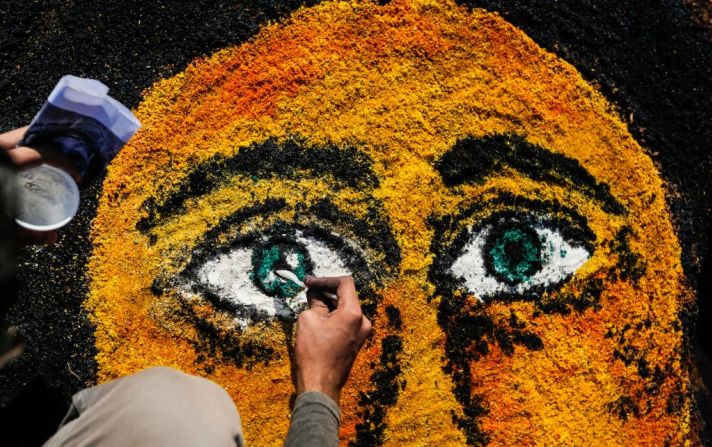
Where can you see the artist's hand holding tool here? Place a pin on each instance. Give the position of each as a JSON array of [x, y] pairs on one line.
[[290, 276], [329, 338]]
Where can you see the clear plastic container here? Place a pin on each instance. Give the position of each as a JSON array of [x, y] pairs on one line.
[[48, 198]]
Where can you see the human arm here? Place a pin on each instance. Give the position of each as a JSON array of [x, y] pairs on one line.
[[326, 346]]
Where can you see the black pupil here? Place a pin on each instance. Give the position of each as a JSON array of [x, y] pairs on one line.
[[513, 253]]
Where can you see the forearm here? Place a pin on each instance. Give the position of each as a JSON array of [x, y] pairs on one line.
[[315, 421]]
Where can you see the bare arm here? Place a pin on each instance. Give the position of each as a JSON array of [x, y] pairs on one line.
[[326, 346]]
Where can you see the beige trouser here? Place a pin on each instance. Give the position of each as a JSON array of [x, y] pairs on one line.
[[156, 407]]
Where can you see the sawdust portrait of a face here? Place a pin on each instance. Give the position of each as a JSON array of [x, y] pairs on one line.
[[509, 238]]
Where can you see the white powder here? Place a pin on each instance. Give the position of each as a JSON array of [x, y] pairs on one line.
[[293, 260], [326, 261]]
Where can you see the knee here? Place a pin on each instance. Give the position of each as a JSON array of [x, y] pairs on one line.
[[164, 384], [181, 403], [161, 375], [160, 372]]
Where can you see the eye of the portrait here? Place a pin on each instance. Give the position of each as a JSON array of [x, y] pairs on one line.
[[241, 278], [514, 255], [233, 268]]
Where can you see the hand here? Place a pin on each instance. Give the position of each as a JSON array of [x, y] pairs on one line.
[[24, 157], [327, 341]]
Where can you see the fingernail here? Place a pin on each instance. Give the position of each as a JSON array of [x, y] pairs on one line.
[[307, 279]]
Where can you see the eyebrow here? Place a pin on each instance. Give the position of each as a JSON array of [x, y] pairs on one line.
[[472, 160], [291, 158], [374, 228]]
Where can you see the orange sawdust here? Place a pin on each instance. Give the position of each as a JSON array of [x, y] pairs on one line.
[[402, 82]]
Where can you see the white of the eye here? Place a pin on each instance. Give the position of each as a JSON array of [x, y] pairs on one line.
[[326, 261], [559, 260], [228, 275]]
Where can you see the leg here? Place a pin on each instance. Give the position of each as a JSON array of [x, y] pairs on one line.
[[157, 406]]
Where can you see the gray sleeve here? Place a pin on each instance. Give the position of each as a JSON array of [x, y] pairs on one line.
[[315, 422]]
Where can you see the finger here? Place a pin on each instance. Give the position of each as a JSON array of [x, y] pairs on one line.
[[345, 290], [328, 283], [12, 138], [317, 304], [348, 298], [365, 331], [52, 237], [32, 237]]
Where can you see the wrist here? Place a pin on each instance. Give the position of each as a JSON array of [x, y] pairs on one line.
[[318, 386]]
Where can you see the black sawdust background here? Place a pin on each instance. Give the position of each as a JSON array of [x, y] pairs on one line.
[[648, 57]]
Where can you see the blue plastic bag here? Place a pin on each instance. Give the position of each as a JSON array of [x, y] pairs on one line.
[[84, 123]]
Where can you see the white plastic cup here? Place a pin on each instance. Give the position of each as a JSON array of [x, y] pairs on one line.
[[48, 198]]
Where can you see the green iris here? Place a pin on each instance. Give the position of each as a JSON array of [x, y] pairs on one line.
[[279, 256], [514, 254]]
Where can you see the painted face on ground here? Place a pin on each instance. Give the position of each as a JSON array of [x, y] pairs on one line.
[[509, 238]]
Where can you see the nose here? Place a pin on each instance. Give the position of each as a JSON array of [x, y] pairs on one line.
[[425, 406], [423, 409]]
